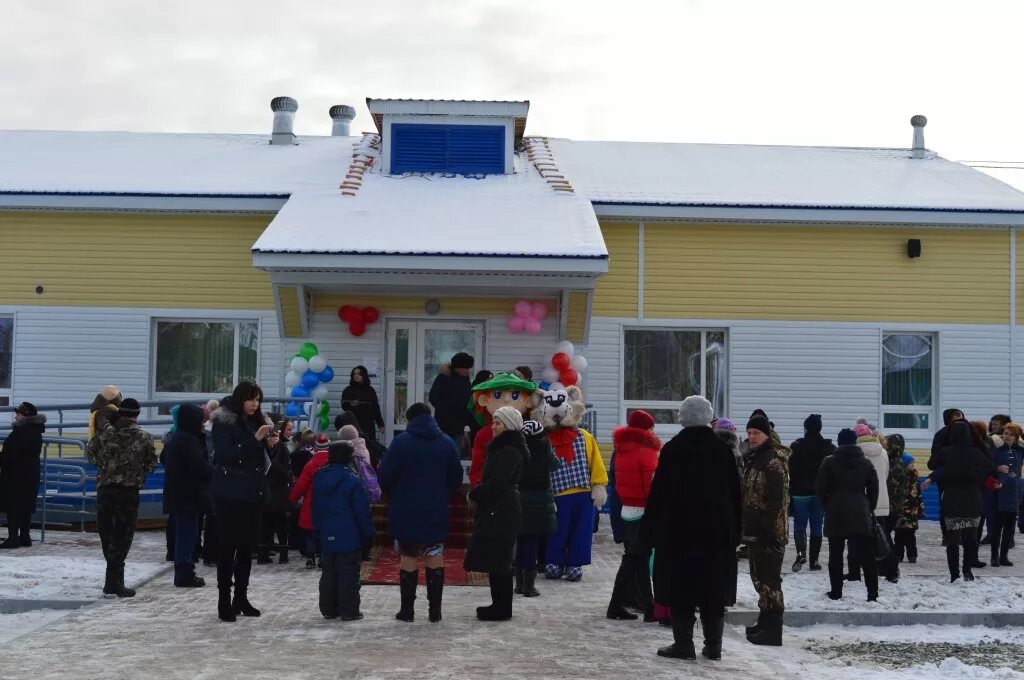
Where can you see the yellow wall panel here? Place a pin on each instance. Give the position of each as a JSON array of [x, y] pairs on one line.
[[469, 306], [576, 319], [291, 313], [1020, 276], [132, 260], [825, 273], [616, 293]]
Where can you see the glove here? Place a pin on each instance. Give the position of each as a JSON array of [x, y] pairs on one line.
[[599, 495]]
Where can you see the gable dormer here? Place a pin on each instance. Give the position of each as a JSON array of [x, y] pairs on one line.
[[451, 137]]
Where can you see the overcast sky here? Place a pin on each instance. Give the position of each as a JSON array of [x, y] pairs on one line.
[[764, 71]]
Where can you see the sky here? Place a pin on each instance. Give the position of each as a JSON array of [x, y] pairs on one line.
[[727, 71]]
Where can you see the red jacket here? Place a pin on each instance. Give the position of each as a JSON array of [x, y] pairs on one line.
[[480, 442], [304, 489], [636, 459]]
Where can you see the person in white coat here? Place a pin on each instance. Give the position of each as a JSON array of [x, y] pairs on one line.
[[869, 443]]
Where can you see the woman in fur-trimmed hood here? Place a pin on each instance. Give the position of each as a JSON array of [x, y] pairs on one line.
[[19, 473]]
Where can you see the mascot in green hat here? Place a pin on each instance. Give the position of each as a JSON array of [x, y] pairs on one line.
[[504, 389]]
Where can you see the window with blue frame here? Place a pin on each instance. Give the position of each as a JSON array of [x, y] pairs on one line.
[[457, 149]]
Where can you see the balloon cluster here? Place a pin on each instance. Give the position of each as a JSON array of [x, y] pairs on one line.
[[564, 368], [358, 318], [528, 317], [309, 371]]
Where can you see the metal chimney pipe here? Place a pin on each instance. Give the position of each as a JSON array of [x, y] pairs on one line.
[[284, 109], [342, 115], [918, 122]]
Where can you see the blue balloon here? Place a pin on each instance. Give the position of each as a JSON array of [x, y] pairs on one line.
[[300, 392], [543, 384], [326, 375], [292, 410], [310, 381]]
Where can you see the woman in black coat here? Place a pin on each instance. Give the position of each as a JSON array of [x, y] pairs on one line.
[[961, 467], [692, 521], [847, 488], [187, 477], [498, 513], [538, 505], [360, 399], [241, 444], [19, 473]]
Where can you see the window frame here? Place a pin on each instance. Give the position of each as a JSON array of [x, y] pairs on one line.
[[236, 322], [897, 409], [8, 392], [663, 429]]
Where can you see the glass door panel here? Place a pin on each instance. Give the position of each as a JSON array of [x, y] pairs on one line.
[[440, 344]]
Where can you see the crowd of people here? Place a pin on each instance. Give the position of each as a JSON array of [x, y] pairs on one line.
[[685, 511]]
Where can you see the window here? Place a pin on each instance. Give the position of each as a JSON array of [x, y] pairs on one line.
[[201, 358], [6, 358], [663, 367], [908, 363], [459, 149]]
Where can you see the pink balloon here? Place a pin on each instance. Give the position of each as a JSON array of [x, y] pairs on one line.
[[533, 326], [524, 309], [540, 310], [516, 324]]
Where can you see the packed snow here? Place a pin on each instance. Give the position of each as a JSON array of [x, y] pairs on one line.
[[62, 578]]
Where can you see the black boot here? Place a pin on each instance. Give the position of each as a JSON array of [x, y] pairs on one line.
[[953, 562], [224, 609], [240, 604], [407, 584], [519, 582], [714, 628], [117, 586], [682, 636], [815, 552], [771, 630], [530, 584], [500, 608], [623, 579], [435, 588], [801, 551], [756, 628]]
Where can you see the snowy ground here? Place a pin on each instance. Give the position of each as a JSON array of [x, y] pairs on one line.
[[171, 633]]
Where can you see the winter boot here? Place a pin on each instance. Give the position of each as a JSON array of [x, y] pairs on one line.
[[519, 582], [815, 552], [574, 574], [407, 584], [714, 628], [435, 588], [530, 584], [623, 578], [118, 589], [682, 636], [953, 562], [224, 609], [240, 604], [771, 630], [756, 628], [553, 572], [801, 551]]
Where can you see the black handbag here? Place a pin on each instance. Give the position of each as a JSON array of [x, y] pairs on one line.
[[241, 484], [880, 541]]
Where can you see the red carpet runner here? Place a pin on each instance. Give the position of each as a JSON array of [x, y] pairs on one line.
[[382, 569]]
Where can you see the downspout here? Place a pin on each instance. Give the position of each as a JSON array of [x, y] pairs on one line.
[[1013, 314]]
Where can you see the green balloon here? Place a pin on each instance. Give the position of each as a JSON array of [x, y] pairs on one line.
[[324, 423], [308, 351], [325, 409]]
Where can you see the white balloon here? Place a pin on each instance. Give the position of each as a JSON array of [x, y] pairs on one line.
[[555, 386], [291, 379], [566, 347], [317, 364], [550, 375], [579, 363], [320, 392], [300, 365]]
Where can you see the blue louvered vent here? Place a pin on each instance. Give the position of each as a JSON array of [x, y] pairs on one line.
[[459, 149]]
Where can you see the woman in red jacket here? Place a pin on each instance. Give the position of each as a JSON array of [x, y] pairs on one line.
[[303, 491], [636, 459]]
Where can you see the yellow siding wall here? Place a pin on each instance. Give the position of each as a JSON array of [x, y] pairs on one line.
[[470, 306], [291, 313], [825, 273], [576, 319], [1020, 277], [132, 260], [616, 293]]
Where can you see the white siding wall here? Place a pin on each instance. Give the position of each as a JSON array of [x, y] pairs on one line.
[[974, 367]]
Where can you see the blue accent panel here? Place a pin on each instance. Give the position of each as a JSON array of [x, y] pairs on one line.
[[459, 149]]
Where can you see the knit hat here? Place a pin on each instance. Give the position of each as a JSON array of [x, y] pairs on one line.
[[531, 428], [696, 411], [813, 423], [462, 360], [760, 423], [759, 412], [416, 410], [862, 430], [348, 433], [847, 437], [322, 442], [907, 459], [511, 418], [725, 424], [129, 407], [27, 409], [640, 419]]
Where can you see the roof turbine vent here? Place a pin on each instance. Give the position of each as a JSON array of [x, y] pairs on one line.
[[918, 122], [284, 109], [342, 115]]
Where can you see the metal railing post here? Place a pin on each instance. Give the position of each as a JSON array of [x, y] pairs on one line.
[[42, 470]]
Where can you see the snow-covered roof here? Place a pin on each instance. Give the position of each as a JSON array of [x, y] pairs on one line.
[[791, 176]]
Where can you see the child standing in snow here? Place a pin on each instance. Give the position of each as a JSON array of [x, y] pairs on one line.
[[905, 534], [361, 461]]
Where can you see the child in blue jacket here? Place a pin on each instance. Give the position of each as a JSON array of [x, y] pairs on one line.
[[342, 521]]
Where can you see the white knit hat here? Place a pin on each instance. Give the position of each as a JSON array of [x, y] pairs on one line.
[[348, 433], [696, 411], [511, 418]]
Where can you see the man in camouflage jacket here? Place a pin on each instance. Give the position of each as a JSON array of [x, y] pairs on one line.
[[765, 505], [123, 455]]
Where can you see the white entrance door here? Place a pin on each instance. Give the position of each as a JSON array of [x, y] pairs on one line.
[[416, 351]]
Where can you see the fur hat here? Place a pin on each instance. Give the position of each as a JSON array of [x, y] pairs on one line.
[[760, 423], [322, 442], [640, 419], [695, 411], [348, 433], [462, 360], [129, 407], [510, 417], [416, 410], [862, 430], [847, 437], [531, 428], [27, 409], [813, 423], [725, 424]]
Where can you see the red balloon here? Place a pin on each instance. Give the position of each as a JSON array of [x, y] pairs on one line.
[[371, 314], [348, 313], [343, 313], [568, 377], [561, 361], [357, 328]]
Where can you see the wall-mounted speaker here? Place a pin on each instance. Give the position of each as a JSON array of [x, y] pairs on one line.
[[914, 247]]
